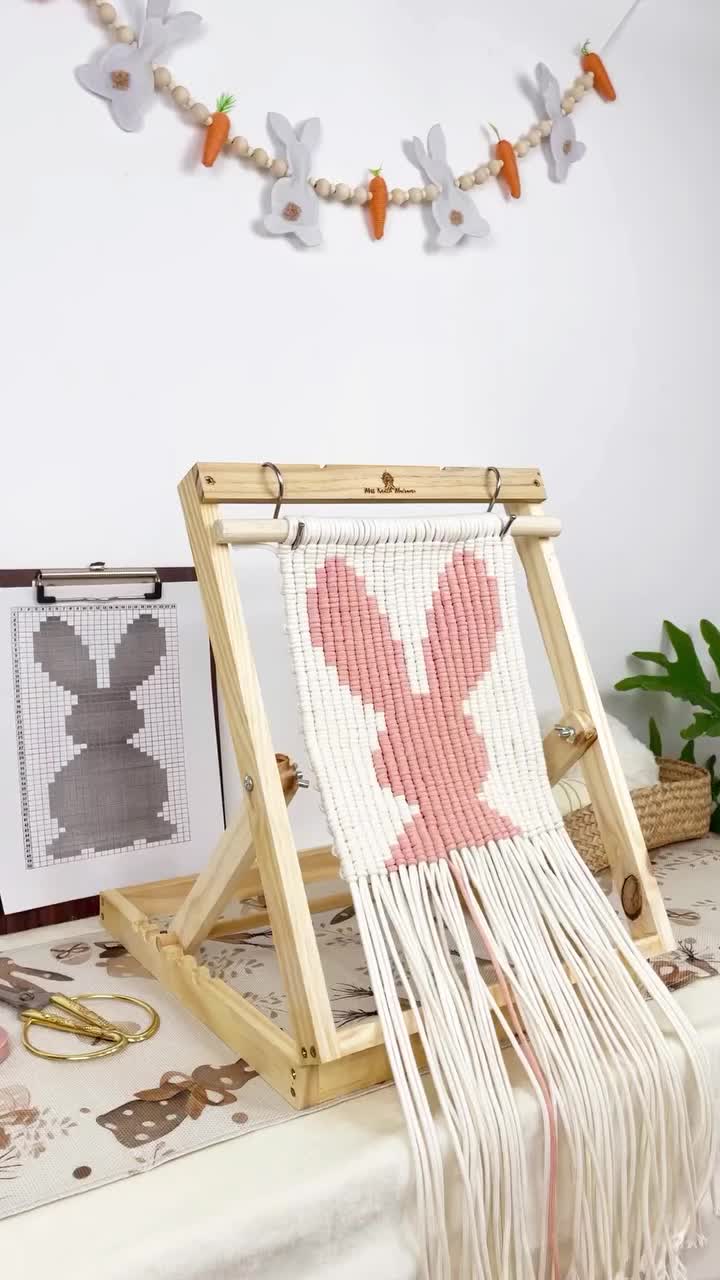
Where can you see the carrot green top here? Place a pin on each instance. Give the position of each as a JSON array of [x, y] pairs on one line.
[[585, 48], [225, 102], [495, 130], [376, 172]]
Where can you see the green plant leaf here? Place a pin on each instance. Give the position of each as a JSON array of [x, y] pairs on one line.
[[714, 778], [705, 725], [711, 636], [646, 655], [688, 752], [715, 820], [688, 670], [683, 679], [654, 738], [651, 684]]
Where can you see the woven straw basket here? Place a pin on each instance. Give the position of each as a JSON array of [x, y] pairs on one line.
[[677, 808]]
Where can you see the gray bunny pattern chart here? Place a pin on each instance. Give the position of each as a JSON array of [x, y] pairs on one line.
[[99, 730]]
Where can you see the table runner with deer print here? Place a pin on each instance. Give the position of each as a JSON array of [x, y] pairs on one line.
[[64, 1132], [421, 729]]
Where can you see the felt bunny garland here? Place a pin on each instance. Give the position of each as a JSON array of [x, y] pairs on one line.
[[127, 76]]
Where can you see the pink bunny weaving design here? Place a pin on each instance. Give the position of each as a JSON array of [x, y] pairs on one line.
[[429, 751]]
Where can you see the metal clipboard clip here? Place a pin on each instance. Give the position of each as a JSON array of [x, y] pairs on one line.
[[97, 572]]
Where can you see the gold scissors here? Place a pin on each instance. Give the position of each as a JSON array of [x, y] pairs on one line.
[[35, 1008]]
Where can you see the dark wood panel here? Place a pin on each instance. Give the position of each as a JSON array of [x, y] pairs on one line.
[[59, 913]]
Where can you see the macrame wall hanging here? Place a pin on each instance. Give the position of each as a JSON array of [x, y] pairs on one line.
[[419, 723], [129, 73]]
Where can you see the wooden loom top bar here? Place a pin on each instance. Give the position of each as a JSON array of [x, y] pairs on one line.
[[249, 482]]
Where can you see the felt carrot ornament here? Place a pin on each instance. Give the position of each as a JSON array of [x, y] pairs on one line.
[[601, 80], [378, 204], [217, 132], [505, 151]]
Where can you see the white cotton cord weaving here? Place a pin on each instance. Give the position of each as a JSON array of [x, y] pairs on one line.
[[420, 727]]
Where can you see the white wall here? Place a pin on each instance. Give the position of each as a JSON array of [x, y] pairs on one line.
[[147, 324]]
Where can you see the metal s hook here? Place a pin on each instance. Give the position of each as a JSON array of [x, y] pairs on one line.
[[498, 486], [510, 520], [281, 487], [279, 501]]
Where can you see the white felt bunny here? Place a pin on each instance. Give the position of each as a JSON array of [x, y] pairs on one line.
[[564, 146], [294, 206], [453, 210], [124, 74]]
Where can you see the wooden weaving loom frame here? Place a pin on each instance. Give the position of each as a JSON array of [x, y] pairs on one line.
[[257, 856]]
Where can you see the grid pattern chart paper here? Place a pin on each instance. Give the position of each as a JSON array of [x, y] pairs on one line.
[[108, 743], [99, 728]]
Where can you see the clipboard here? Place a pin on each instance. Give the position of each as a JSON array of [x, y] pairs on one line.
[[43, 584]]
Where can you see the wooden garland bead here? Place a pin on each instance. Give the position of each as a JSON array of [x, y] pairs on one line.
[[239, 146], [163, 79], [278, 168], [495, 166], [322, 188], [260, 158], [482, 174], [360, 195], [341, 191], [534, 136], [567, 103], [415, 195], [467, 182], [398, 196], [522, 146], [578, 90], [125, 35], [545, 128], [431, 191], [200, 113], [181, 96], [107, 14], [588, 79]]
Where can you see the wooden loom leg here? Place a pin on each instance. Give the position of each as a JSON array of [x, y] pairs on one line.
[[614, 812], [221, 879], [215, 886], [290, 918]]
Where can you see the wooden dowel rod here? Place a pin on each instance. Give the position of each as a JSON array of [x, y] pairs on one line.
[[247, 533]]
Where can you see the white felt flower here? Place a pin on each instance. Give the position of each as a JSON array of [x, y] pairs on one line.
[[454, 211], [124, 74], [294, 206], [564, 146]]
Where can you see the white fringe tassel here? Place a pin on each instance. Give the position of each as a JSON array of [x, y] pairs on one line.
[[637, 1126]]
